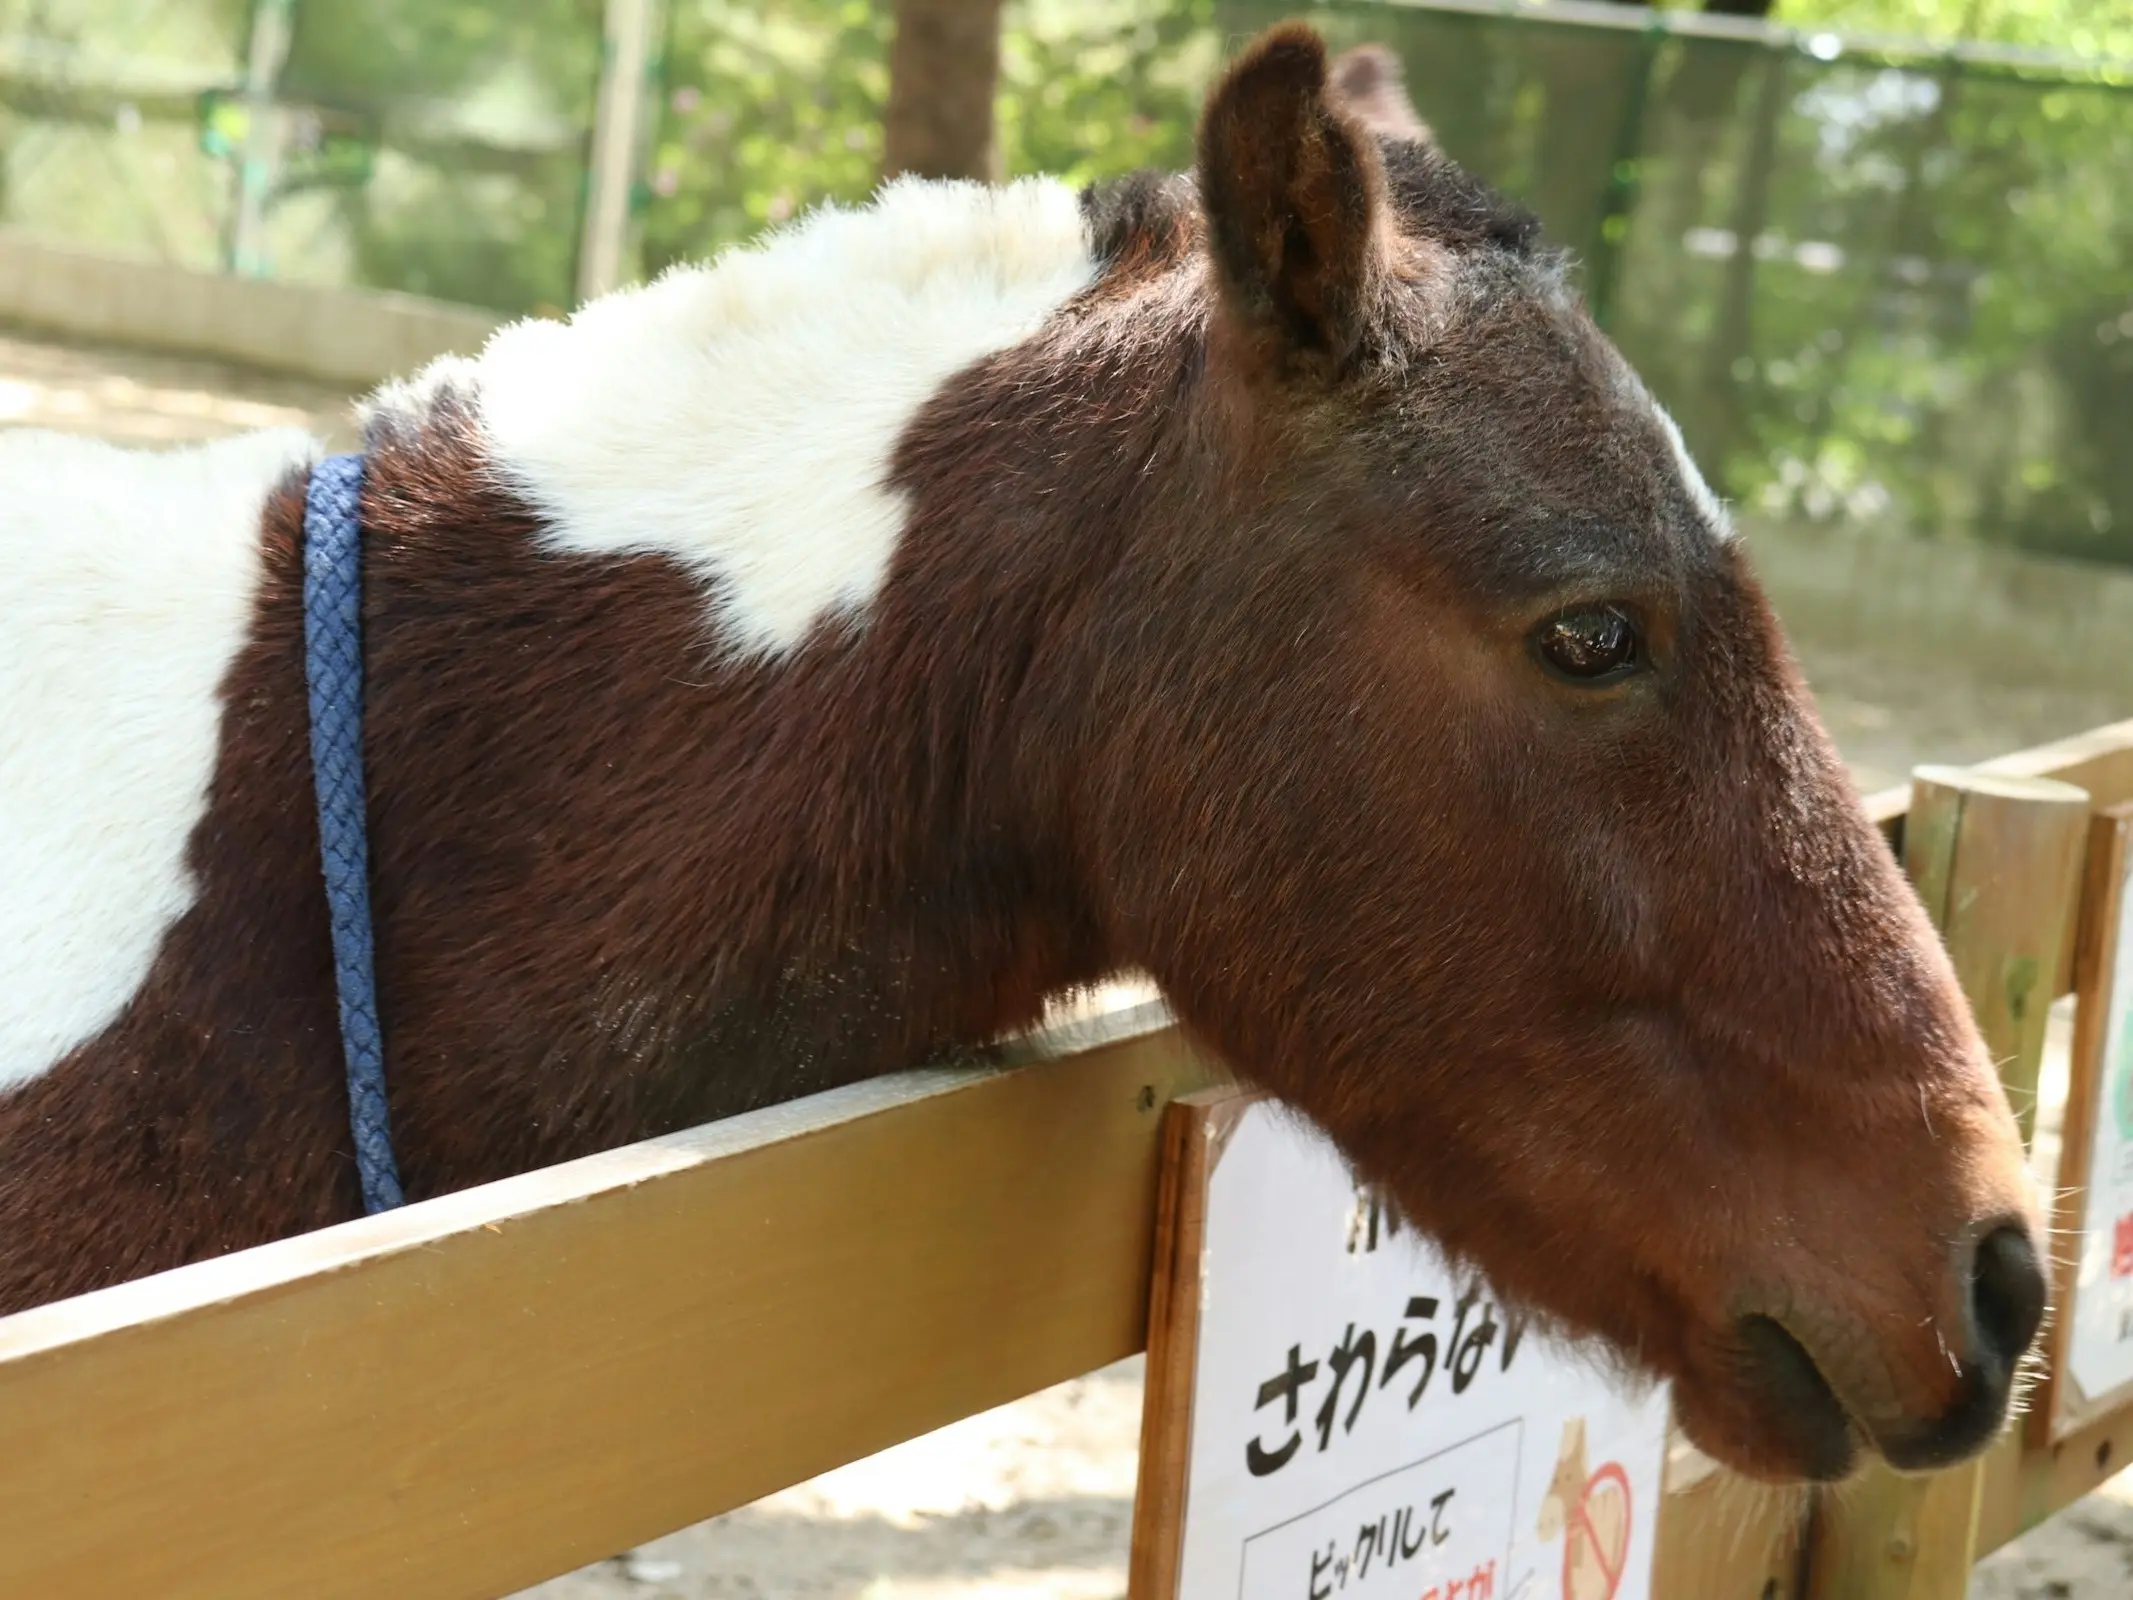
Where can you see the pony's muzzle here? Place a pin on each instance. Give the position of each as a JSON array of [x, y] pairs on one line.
[[1816, 1400]]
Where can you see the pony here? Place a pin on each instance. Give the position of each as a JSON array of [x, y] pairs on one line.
[[799, 668]]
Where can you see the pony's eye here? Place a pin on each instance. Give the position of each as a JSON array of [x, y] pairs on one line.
[[1593, 644]]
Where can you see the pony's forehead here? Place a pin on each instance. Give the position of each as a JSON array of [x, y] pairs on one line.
[[1538, 456], [1501, 262], [1557, 466]]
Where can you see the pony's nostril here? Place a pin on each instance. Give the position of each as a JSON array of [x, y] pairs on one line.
[[2006, 1294], [1800, 1402], [2006, 1308]]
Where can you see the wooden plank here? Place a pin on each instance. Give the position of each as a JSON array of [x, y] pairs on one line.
[[1999, 1500], [476, 1392], [2053, 1412], [1996, 858], [2100, 761], [1194, 1132], [1724, 1537], [2025, 1487], [1890, 809]]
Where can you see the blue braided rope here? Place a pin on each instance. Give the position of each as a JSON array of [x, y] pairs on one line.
[[333, 672]]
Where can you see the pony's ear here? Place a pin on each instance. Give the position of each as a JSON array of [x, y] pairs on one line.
[[1294, 193], [1369, 81]]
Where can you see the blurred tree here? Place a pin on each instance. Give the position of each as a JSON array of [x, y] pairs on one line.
[[944, 68]]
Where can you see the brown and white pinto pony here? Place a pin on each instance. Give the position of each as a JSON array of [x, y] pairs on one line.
[[800, 668]]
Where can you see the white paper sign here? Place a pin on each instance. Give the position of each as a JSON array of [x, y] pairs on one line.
[[2100, 1350], [1368, 1424]]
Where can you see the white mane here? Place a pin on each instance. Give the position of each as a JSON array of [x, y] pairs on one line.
[[741, 417]]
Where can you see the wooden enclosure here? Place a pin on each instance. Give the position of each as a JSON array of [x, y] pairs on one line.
[[476, 1392]]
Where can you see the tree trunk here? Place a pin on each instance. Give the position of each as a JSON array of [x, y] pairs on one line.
[[943, 69]]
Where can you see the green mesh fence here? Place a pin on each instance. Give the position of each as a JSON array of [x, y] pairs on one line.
[[480, 117], [432, 146], [1887, 287], [98, 108]]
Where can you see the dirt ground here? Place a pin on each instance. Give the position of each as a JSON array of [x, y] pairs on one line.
[[1035, 1499], [136, 398]]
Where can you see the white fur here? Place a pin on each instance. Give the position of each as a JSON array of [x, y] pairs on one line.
[[742, 418], [1707, 504], [126, 588]]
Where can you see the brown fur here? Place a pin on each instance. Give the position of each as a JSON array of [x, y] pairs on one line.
[[1205, 651], [1371, 83]]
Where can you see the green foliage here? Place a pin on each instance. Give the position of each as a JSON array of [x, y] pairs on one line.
[[2096, 28], [447, 138], [87, 38], [417, 53], [87, 160], [1094, 88], [770, 106], [1924, 328]]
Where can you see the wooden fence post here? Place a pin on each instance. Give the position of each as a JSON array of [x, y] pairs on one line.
[[1722, 1537], [1997, 861]]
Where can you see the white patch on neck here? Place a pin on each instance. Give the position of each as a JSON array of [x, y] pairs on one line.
[[1708, 506], [126, 587], [742, 418]]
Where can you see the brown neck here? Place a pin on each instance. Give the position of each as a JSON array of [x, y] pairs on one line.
[[624, 887]]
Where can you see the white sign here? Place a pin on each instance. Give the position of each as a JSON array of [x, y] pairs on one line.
[[1368, 1423], [2100, 1349]]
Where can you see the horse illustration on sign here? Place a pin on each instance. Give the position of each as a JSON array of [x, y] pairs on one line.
[[1590, 1512]]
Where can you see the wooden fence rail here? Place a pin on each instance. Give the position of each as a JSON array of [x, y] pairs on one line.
[[476, 1392], [480, 1391]]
